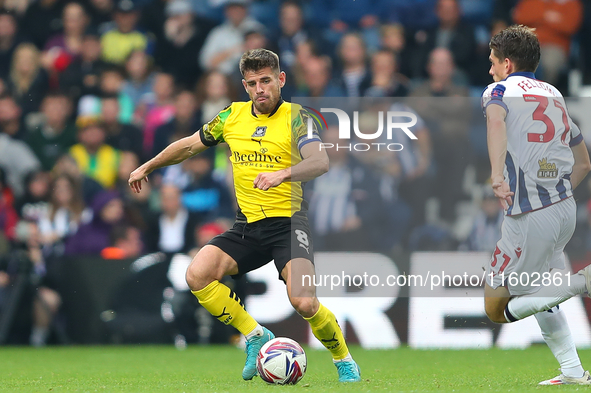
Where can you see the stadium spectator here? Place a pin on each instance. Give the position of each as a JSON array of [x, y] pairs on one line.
[[67, 165], [415, 15], [385, 79], [202, 195], [34, 204], [83, 74], [292, 32], [450, 33], [225, 43], [410, 169], [204, 233], [93, 237], [28, 82], [318, 81], [214, 93], [356, 15], [177, 53], [42, 20], [393, 39], [17, 7], [8, 214], [101, 13], [255, 39], [10, 115], [172, 230], [16, 159], [138, 208], [556, 22], [52, 134], [486, 227], [123, 137], [186, 120], [305, 51], [160, 110], [125, 242], [111, 83], [354, 76], [501, 17], [65, 213], [345, 211], [94, 157], [140, 78], [448, 120], [61, 49], [119, 42], [9, 40], [45, 277], [153, 16]]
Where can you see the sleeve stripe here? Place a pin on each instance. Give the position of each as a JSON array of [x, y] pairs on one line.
[[496, 102], [314, 135], [205, 141], [302, 144], [576, 140]]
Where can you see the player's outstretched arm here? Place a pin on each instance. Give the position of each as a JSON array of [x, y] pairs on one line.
[[497, 151], [582, 164], [173, 154], [313, 164]]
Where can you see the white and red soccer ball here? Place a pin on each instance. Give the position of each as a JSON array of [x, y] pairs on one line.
[[281, 361]]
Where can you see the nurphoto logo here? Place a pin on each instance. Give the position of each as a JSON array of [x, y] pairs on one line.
[[396, 121]]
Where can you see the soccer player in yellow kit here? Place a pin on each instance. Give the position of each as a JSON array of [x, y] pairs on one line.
[[271, 155]]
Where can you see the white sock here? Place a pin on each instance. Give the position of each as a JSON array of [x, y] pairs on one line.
[[547, 297], [257, 331], [38, 336], [559, 338], [347, 358]]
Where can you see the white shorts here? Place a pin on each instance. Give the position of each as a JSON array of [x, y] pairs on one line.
[[531, 244]]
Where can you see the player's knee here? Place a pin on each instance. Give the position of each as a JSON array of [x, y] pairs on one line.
[[194, 277], [495, 314], [305, 306]]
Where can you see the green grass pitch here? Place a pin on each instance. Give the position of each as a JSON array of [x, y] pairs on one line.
[[218, 369]]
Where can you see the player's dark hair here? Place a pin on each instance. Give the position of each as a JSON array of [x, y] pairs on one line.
[[519, 44], [257, 59]]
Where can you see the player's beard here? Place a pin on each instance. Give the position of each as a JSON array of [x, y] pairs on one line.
[[267, 106]]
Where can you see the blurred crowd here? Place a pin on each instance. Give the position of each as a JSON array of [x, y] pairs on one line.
[[90, 89]]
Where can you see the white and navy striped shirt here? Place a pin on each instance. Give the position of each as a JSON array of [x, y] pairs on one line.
[[540, 133]]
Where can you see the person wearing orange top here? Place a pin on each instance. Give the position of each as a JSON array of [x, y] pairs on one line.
[[556, 22]]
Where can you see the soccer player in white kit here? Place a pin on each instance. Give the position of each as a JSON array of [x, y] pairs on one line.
[[537, 158]]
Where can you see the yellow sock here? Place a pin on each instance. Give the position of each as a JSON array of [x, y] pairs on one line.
[[225, 305], [326, 329]]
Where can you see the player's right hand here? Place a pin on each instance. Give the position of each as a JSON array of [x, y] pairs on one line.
[[503, 192], [135, 179]]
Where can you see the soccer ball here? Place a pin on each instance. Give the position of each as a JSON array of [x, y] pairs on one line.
[[281, 361]]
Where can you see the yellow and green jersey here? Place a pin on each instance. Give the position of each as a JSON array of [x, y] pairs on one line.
[[262, 143]]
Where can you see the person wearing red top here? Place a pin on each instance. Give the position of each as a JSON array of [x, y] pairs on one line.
[[8, 215]]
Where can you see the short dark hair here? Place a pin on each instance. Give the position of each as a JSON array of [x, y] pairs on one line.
[[519, 44], [257, 59], [57, 94], [110, 96]]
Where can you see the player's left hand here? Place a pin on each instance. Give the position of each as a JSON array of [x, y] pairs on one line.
[[266, 180], [503, 192]]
